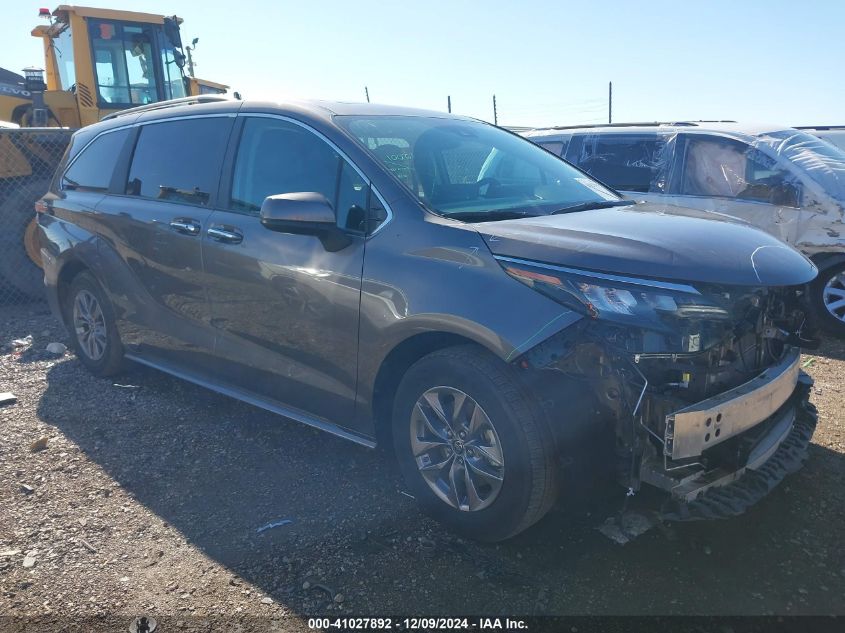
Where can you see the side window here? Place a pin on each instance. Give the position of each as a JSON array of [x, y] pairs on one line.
[[721, 167], [628, 162], [462, 164], [276, 156], [93, 168], [512, 170], [395, 154], [179, 160], [555, 147]]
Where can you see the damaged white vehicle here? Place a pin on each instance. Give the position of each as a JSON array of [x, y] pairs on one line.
[[833, 134], [785, 181]]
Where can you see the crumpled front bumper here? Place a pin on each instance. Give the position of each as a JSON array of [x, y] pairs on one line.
[[768, 424]]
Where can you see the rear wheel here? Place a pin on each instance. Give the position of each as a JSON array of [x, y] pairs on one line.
[[828, 297], [471, 447], [90, 320]]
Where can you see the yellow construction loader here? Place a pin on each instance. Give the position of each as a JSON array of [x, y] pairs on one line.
[[97, 61]]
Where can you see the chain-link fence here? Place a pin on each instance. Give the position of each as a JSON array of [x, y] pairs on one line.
[[28, 158]]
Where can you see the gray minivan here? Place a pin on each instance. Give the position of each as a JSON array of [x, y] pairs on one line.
[[784, 181], [348, 266]]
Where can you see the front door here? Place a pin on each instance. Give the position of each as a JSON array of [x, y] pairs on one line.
[[724, 175], [285, 309]]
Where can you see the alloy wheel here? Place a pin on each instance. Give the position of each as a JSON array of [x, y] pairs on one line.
[[89, 325], [457, 449], [834, 296]]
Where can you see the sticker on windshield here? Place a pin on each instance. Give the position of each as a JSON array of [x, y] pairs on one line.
[[595, 187]]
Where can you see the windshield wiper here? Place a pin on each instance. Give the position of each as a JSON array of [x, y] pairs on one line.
[[488, 216], [589, 206]]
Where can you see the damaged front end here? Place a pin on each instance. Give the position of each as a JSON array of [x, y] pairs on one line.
[[701, 386]]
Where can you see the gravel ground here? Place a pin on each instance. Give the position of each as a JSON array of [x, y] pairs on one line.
[[149, 494]]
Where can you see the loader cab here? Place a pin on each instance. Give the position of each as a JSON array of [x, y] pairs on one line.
[[100, 61], [133, 64], [205, 87]]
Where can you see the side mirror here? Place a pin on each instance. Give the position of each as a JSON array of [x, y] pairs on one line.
[[305, 213], [172, 31]]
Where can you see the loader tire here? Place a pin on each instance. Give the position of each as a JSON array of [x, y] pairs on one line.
[[23, 280]]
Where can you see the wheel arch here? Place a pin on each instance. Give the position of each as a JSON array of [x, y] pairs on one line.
[[68, 272], [823, 261], [829, 317], [393, 368]]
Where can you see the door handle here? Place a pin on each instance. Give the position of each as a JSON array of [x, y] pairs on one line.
[[186, 226], [227, 234]]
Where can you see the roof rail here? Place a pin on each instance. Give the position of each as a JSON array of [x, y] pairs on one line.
[[171, 103], [636, 124], [821, 128]]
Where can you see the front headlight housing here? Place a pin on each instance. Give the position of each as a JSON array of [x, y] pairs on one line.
[[643, 303]]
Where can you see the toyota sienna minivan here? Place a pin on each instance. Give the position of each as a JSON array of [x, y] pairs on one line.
[[348, 267]]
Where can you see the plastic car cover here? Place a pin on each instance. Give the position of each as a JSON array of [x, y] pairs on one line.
[[822, 161], [798, 174]]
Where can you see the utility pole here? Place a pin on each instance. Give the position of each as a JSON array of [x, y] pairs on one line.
[[609, 102], [495, 114], [367, 93], [449, 103]]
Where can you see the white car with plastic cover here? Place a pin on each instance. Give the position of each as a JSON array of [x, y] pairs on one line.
[[785, 181]]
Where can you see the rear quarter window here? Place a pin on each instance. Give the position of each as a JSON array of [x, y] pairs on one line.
[[93, 168], [179, 161]]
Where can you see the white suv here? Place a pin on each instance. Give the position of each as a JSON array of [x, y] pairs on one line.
[[785, 181]]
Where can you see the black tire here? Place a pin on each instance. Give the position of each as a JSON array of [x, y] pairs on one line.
[[111, 361], [827, 321], [16, 268], [529, 482]]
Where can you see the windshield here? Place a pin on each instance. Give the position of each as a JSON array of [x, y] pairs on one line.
[[472, 170], [821, 161]]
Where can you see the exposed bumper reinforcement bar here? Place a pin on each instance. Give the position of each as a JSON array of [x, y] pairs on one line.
[[756, 480], [700, 426]]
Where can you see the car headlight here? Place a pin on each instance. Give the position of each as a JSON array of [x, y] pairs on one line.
[[638, 302]]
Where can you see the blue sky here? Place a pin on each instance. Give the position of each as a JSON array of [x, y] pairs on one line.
[[548, 62]]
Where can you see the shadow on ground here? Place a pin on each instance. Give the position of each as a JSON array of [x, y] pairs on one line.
[[831, 348], [216, 470]]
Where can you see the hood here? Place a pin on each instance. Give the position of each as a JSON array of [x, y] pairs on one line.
[[653, 241]]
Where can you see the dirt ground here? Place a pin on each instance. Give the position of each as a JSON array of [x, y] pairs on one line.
[[150, 493]]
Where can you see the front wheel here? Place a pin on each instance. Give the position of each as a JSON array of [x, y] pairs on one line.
[[827, 293], [471, 446]]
